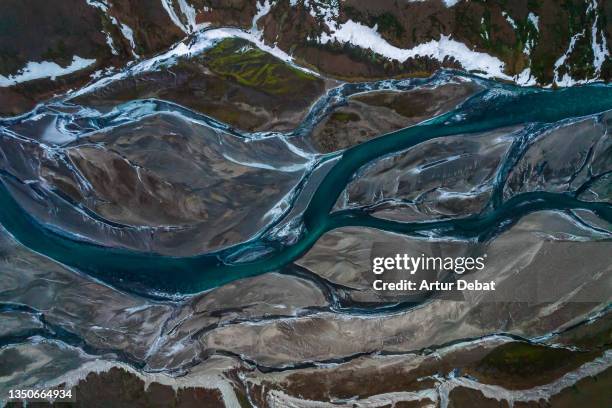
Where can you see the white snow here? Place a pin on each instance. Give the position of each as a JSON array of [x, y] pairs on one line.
[[509, 19], [328, 12], [566, 80], [528, 46], [190, 14], [101, 72], [125, 30], [101, 4], [368, 38], [97, 74], [525, 78], [485, 33], [167, 4], [263, 8], [534, 19], [592, 6], [530, 43], [44, 69], [600, 50], [111, 44], [450, 3], [129, 35]]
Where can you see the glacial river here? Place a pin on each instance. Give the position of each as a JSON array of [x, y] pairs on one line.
[[149, 273]]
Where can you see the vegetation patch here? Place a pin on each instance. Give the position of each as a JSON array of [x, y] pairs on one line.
[[518, 363], [345, 117], [240, 61]]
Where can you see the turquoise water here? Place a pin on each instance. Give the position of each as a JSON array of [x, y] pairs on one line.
[[153, 273]]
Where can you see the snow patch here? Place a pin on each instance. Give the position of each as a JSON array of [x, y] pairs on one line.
[[111, 44], [44, 69], [125, 30], [525, 78], [600, 50], [450, 3], [190, 15], [535, 20], [509, 19], [328, 12], [129, 35], [101, 4], [167, 5], [188, 12], [484, 34], [445, 48], [369, 38], [566, 80], [262, 9], [530, 43]]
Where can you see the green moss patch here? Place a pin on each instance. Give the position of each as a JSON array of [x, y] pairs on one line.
[[345, 117], [240, 61]]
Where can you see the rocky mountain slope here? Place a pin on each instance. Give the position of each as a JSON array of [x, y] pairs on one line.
[[48, 48]]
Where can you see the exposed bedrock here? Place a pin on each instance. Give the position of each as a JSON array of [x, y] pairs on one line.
[[108, 34], [525, 37]]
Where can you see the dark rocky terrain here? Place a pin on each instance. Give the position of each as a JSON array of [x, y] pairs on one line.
[[533, 41]]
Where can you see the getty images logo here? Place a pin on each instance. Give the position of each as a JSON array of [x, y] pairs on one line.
[[412, 264]]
